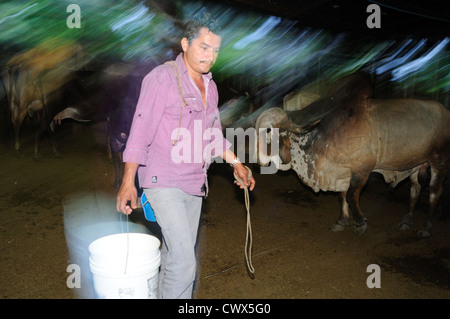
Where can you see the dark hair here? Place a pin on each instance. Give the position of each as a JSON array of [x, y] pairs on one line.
[[200, 20]]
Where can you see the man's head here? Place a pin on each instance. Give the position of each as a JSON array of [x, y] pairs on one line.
[[201, 20], [201, 43]]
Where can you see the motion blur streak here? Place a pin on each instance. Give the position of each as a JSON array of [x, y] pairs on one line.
[[418, 63], [87, 217], [261, 48]]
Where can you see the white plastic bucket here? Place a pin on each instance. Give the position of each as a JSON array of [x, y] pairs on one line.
[[125, 266]]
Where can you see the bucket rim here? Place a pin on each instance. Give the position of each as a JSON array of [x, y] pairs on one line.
[[156, 243]]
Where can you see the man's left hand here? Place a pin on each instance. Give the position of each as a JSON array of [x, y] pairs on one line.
[[243, 173]]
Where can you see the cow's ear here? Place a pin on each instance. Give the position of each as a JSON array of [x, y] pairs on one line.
[[298, 129]]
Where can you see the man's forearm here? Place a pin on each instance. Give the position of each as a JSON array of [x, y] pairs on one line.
[[129, 172], [228, 156]]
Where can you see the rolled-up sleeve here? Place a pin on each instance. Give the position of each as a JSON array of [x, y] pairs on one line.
[[147, 117]]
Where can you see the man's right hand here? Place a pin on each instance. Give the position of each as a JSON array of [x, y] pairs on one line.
[[126, 199], [127, 196]]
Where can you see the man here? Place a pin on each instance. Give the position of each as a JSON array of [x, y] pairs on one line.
[[164, 121]]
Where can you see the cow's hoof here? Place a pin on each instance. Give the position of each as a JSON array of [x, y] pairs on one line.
[[360, 228], [423, 233], [19, 154], [336, 227], [38, 158], [406, 223], [57, 154], [403, 226], [339, 225]]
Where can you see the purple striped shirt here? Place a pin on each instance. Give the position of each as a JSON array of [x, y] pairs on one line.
[[156, 123]]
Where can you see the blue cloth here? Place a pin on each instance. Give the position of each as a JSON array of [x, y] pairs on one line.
[[148, 211]]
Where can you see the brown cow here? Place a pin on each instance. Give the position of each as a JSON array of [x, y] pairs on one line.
[[30, 78], [336, 152]]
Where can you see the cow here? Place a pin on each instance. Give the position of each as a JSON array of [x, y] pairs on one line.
[[119, 101], [117, 98], [32, 79], [335, 143]]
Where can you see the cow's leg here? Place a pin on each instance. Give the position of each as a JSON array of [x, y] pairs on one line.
[[17, 126], [44, 126], [436, 188], [41, 128], [357, 182], [414, 195], [37, 140], [37, 153], [342, 222], [14, 111], [16, 119], [17, 140], [52, 138]]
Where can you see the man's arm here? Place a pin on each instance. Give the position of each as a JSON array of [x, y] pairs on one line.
[[128, 191], [148, 115]]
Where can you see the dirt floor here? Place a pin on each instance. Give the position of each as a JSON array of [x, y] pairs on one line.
[[295, 256]]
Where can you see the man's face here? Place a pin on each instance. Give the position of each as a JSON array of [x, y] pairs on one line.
[[202, 53]]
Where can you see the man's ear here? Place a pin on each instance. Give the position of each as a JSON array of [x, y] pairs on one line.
[[184, 44]]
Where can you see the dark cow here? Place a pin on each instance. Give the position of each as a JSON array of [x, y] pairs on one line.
[[119, 102], [119, 94], [335, 143]]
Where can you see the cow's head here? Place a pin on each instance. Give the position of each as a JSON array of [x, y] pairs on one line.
[[272, 142], [274, 125]]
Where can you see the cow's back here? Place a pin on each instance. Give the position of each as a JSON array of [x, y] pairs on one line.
[[407, 131]]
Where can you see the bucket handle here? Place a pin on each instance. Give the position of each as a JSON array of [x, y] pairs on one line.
[[128, 239]]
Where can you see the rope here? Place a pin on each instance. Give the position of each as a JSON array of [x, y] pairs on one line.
[[182, 101], [128, 240], [248, 237]]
